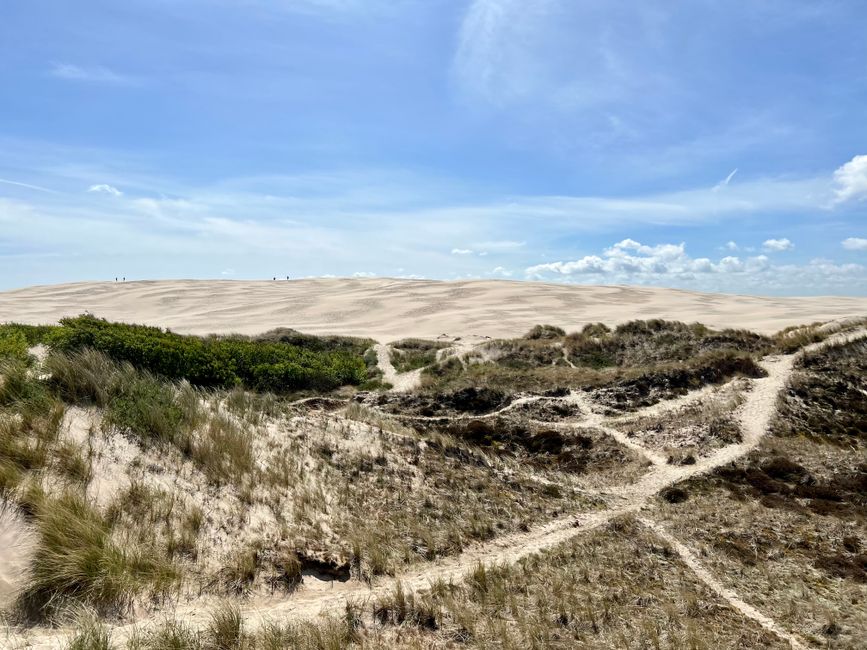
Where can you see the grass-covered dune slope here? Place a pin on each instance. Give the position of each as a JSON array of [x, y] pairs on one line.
[[655, 484]]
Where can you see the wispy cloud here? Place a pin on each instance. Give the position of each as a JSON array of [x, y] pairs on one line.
[[103, 188], [91, 74], [724, 182], [462, 251], [478, 57], [28, 186]]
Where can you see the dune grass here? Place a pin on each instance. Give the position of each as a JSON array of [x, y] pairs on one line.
[[76, 559]]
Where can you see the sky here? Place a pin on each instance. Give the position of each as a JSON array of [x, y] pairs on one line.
[[716, 145]]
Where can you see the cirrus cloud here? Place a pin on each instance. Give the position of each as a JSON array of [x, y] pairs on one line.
[[102, 188]]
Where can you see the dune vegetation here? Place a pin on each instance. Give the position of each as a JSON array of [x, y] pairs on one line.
[[525, 494]]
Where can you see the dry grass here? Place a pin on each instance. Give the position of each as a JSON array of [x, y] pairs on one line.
[[784, 526], [695, 430], [617, 587], [412, 354]]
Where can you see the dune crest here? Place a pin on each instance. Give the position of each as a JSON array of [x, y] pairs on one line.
[[387, 309]]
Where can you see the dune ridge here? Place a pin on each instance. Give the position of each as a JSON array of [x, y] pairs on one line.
[[386, 309]]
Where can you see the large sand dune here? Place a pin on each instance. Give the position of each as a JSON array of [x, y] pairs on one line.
[[387, 309]]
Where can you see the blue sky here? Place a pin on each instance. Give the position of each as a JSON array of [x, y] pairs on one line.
[[711, 144]]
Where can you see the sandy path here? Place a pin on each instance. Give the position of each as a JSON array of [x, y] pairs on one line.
[[387, 309], [401, 382]]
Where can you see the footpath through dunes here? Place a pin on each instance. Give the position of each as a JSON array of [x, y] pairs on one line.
[[388, 309], [753, 415]]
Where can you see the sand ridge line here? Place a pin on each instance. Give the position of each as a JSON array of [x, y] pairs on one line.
[[389, 309]]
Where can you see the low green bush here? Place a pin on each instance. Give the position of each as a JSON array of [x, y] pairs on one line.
[[13, 345], [149, 409], [266, 365]]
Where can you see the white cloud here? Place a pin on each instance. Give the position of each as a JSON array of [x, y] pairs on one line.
[[731, 246], [630, 262], [363, 274], [778, 245], [102, 188], [501, 271], [227, 272], [855, 244], [851, 180], [94, 74], [462, 251]]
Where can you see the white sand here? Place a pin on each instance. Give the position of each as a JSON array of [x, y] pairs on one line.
[[388, 309]]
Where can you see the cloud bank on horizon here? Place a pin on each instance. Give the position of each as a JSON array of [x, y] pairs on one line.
[[718, 147]]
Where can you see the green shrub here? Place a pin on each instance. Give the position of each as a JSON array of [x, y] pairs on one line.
[[33, 334], [224, 362], [149, 409], [13, 345]]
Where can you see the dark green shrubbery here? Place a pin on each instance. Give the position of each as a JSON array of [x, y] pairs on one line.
[[33, 334], [223, 362]]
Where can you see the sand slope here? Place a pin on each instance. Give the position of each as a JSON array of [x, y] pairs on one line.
[[387, 309]]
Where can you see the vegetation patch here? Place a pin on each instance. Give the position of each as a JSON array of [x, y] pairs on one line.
[[827, 399], [224, 362], [412, 354], [76, 558]]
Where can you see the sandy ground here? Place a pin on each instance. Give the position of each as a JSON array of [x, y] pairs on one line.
[[388, 309]]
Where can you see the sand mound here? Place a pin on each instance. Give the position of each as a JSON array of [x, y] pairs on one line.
[[387, 309], [16, 550]]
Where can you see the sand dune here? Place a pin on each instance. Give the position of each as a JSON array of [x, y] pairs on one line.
[[387, 309]]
